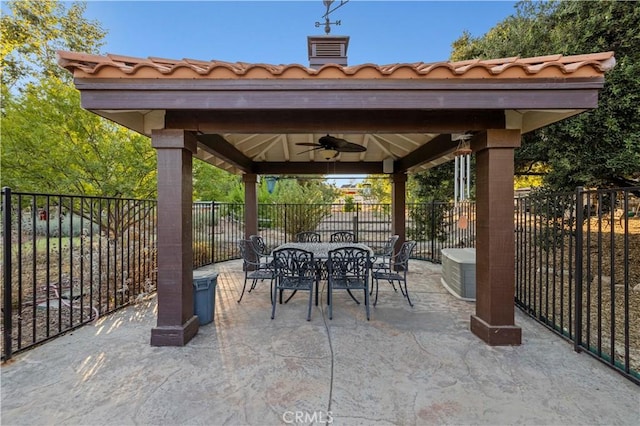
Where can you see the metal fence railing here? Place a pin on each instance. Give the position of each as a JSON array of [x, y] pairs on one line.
[[69, 259], [578, 270]]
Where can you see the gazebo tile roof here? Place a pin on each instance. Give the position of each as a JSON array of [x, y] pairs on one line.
[[84, 65]]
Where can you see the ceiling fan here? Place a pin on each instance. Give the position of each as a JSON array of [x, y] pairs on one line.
[[332, 146]]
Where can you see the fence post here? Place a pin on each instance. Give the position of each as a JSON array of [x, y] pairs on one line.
[[6, 236], [213, 231], [578, 275], [433, 230], [355, 222]]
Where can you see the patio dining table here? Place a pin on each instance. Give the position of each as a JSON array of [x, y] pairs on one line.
[[321, 250], [321, 255]]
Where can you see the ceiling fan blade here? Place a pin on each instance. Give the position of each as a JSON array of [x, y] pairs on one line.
[[341, 145], [312, 149], [308, 144]]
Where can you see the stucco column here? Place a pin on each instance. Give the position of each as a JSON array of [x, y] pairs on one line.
[[177, 323], [250, 204], [494, 321], [398, 206]]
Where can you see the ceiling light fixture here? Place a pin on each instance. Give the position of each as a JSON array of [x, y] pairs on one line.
[[328, 154]]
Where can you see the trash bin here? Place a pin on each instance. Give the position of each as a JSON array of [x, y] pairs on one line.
[[204, 295]]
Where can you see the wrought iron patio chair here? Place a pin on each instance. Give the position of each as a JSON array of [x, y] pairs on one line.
[[254, 269], [380, 258], [343, 236], [348, 269], [261, 248], [396, 270], [295, 269], [307, 237]]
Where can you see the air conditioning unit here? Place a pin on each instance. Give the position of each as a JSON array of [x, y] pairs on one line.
[[459, 272]]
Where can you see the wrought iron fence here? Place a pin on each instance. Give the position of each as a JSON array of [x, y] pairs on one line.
[[577, 270], [69, 259], [433, 226], [438, 225]]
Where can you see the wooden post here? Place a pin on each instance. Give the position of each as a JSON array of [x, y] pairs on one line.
[[177, 323], [494, 321], [398, 206], [250, 204]]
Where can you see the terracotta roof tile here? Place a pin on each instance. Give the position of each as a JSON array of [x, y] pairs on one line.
[[119, 66]]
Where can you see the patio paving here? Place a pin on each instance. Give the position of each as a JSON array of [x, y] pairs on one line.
[[406, 366]]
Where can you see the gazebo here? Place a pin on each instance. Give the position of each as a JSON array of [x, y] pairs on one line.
[[248, 119]]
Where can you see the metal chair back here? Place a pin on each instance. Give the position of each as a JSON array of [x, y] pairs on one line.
[[343, 236], [396, 270], [307, 237], [295, 269], [259, 244], [348, 269], [254, 269]]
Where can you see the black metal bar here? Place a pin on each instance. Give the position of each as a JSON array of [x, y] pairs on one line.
[[34, 271], [82, 214], [100, 241], [7, 311], [612, 260], [627, 284], [70, 299], [59, 284], [599, 218], [578, 274], [588, 275], [48, 264], [91, 251]]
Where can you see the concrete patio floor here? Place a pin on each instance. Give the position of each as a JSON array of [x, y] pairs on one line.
[[406, 366]]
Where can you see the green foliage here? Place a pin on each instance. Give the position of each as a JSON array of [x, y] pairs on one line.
[[302, 191], [33, 30], [437, 184], [597, 148], [56, 226], [378, 190], [305, 204], [213, 184], [349, 204], [428, 221], [50, 144], [555, 213]]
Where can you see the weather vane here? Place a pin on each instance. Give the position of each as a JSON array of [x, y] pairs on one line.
[[327, 21]]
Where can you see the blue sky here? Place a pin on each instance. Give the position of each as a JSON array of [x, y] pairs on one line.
[[275, 32]]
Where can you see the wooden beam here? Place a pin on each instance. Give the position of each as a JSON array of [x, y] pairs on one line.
[[370, 100], [318, 121], [218, 146], [432, 150], [465, 84], [312, 168]]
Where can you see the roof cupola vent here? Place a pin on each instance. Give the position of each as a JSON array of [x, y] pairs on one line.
[[327, 50]]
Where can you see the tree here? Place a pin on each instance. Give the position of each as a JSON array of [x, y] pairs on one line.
[[436, 184], [597, 148], [49, 143], [33, 30], [213, 184]]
